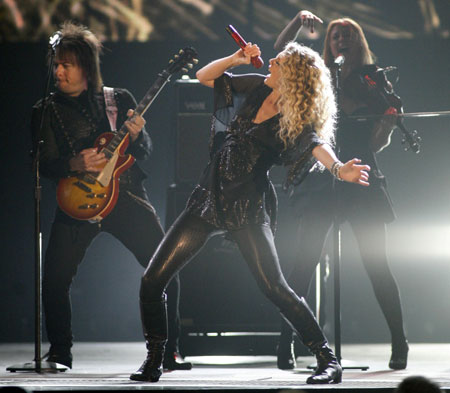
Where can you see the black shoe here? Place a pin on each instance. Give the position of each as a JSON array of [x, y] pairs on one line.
[[328, 369], [64, 357], [174, 361], [399, 357], [148, 372], [286, 356]]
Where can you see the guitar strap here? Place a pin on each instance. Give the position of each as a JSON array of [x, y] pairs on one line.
[[110, 106]]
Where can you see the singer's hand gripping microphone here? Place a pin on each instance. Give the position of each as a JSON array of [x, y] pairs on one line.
[[256, 60]]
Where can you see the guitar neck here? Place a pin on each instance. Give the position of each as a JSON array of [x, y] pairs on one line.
[[152, 93], [142, 107]]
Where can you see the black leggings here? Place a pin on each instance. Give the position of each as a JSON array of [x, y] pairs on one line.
[[371, 238], [185, 239]]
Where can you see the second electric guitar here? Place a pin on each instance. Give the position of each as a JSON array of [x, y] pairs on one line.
[[92, 196]]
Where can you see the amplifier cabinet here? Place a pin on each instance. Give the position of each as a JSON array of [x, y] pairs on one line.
[[194, 104]]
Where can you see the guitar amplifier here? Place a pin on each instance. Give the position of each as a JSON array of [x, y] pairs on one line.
[[194, 106]]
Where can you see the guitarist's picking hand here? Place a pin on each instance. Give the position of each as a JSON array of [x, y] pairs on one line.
[[134, 124], [87, 160]]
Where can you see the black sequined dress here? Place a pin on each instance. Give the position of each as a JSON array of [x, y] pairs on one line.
[[234, 189]]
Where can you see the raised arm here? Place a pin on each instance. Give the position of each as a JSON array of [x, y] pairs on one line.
[[292, 30], [351, 171], [213, 70]]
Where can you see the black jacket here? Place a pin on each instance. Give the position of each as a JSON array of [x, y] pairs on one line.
[[73, 124]]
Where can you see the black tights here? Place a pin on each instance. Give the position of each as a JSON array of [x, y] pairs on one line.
[[371, 238], [187, 236]]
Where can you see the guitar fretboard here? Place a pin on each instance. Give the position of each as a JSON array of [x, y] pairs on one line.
[[142, 107]]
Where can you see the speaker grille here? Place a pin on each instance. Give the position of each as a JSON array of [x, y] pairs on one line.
[[192, 150], [193, 124]]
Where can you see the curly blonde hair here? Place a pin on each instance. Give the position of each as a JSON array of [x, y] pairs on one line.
[[306, 95]]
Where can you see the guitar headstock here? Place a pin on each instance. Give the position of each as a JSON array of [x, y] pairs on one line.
[[184, 60], [410, 139]]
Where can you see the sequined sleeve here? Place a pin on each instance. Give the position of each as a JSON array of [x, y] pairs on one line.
[[299, 159], [230, 92]]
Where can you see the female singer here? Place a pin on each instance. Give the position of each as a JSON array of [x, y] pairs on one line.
[[285, 117]]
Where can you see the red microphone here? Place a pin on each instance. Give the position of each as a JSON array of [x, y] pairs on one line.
[[256, 60]]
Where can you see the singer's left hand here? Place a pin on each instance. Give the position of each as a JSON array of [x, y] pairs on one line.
[[135, 125], [308, 19], [353, 172]]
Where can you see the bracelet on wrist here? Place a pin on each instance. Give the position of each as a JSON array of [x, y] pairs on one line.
[[336, 168]]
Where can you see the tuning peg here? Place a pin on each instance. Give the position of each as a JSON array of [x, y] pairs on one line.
[[170, 61], [176, 56], [419, 139], [189, 65], [181, 51], [184, 69], [195, 61]]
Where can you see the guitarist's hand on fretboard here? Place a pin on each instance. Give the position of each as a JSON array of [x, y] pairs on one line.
[[134, 125], [87, 160]]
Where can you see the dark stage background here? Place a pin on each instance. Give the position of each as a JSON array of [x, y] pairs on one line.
[[218, 293]]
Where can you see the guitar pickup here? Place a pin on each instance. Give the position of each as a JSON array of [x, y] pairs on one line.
[[88, 178], [83, 186], [86, 206], [92, 195]]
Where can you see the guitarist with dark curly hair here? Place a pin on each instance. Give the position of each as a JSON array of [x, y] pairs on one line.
[[73, 120]]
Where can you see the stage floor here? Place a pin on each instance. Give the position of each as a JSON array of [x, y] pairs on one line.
[[107, 366]]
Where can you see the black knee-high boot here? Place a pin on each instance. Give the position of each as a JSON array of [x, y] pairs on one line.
[[305, 324], [154, 323], [172, 356]]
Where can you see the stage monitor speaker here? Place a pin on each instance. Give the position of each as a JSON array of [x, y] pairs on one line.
[[194, 104]]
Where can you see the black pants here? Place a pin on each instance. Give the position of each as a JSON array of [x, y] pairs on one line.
[[187, 236], [134, 223], [370, 234]]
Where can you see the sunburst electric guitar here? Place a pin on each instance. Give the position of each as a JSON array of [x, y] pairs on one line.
[[92, 196]]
